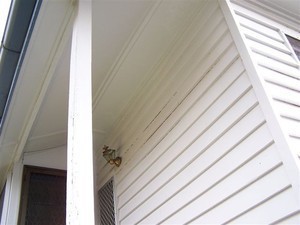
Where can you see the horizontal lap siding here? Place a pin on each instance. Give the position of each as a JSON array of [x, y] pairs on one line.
[[292, 218], [195, 145], [277, 65]]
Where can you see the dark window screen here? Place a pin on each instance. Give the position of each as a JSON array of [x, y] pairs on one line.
[[45, 201]]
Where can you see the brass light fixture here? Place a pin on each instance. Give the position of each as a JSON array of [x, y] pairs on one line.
[[110, 156]]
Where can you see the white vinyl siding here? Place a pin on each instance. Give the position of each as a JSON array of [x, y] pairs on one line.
[[277, 64], [195, 144], [293, 218]]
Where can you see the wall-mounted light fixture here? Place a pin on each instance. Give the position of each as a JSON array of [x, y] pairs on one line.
[[110, 156]]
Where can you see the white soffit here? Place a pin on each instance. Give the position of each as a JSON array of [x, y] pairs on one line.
[[50, 127], [146, 41], [37, 72], [130, 38]]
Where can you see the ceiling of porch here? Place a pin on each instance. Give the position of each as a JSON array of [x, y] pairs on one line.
[[130, 38]]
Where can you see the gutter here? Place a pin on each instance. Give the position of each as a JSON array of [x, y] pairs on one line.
[[21, 19]]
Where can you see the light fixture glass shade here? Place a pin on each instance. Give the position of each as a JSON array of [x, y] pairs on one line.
[[110, 156]]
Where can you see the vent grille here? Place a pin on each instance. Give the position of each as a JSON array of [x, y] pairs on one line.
[[107, 204]]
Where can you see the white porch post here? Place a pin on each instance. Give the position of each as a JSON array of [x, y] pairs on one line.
[[12, 195], [80, 184]]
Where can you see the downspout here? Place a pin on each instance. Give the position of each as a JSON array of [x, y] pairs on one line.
[[21, 19]]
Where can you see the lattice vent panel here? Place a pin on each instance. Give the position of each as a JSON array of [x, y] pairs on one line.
[[107, 204]]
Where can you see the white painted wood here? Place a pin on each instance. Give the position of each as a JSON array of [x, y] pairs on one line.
[[14, 194], [80, 184], [5, 207]]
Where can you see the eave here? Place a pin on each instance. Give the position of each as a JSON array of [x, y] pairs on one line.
[[34, 75]]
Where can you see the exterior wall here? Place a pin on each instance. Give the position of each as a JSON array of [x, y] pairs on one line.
[[276, 62], [195, 143]]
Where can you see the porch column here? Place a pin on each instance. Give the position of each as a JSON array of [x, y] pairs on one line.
[[80, 184]]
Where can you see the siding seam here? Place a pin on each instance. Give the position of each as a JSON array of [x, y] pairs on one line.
[[197, 118], [259, 203], [289, 87], [278, 59], [252, 38], [278, 69], [242, 24], [286, 217], [243, 187], [229, 45], [210, 166], [211, 143], [225, 69], [296, 119], [286, 102]]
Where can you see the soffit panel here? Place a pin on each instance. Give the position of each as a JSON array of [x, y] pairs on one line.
[[135, 64], [130, 38]]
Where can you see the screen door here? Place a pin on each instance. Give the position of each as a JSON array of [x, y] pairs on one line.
[[43, 197]]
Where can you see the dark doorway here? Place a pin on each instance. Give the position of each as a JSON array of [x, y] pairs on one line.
[[43, 197]]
